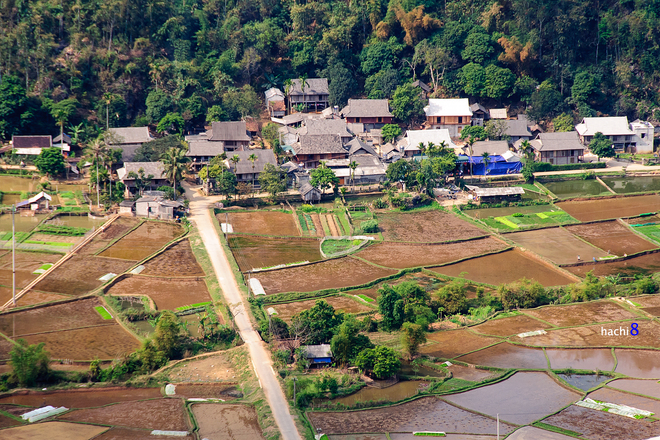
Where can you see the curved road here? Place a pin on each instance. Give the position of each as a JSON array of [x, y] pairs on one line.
[[201, 216]]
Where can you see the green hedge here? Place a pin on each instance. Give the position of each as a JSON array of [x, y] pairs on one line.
[[545, 166]]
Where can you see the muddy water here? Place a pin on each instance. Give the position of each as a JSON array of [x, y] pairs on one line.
[[627, 185], [23, 224], [400, 391], [144, 327], [421, 371], [521, 399], [10, 199], [576, 188], [82, 398], [584, 381], [14, 183], [581, 359], [638, 386], [507, 356], [638, 363], [77, 221]]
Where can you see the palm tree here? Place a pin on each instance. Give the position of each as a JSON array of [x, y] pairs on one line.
[[353, 165], [303, 84], [486, 158], [98, 150], [174, 161], [288, 84], [235, 160], [62, 111], [253, 158], [470, 142], [527, 150], [112, 157], [107, 98]]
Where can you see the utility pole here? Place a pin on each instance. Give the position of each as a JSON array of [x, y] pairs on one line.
[[13, 255], [498, 426]]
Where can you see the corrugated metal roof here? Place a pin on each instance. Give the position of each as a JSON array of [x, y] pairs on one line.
[[448, 107], [491, 192]]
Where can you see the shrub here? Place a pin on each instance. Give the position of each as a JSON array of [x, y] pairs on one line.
[[369, 226], [380, 204], [522, 294], [645, 286], [517, 214], [29, 363]]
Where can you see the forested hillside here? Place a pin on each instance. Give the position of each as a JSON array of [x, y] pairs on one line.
[[76, 61]]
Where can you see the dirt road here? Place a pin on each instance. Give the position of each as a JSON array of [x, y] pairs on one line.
[[201, 216]]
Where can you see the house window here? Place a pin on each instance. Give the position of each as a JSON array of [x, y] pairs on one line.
[[460, 119], [643, 135], [381, 120], [572, 160], [459, 129], [357, 119], [552, 161]]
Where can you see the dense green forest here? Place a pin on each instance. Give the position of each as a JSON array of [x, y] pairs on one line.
[[78, 62]]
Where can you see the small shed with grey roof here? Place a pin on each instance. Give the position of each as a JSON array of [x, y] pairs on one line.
[[157, 207], [318, 354], [232, 134], [558, 148], [494, 195], [309, 193], [154, 169], [128, 139], [356, 146]]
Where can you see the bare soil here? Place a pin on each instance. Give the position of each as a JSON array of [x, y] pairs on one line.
[[262, 222], [506, 267], [6, 422], [643, 265], [104, 342], [135, 434], [591, 336], [425, 414], [603, 209], [111, 232], [648, 300], [521, 399], [81, 398], [143, 241], [80, 274], [162, 414], [612, 236], [644, 364], [600, 425], [5, 348], [340, 303], [55, 238], [557, 245], [222, 391], [215, 368], [53, 431], [402, 255], [427, 227], [178, 260], [581, 359], [56, 317], [450, 344], [231, 422], [581, 313], [510, 326], [23, 278], [33, 297], [507, 356], [337, 273], [29, 261], [468, 373], [253, 252], [318, 225], [167, 293]]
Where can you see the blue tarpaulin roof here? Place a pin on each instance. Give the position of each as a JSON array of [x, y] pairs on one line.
[[497, 165]]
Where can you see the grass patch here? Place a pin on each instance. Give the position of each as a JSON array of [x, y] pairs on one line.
[[364, 297], [453, 384], [103, 312], [193, 306], [331, 247], [651, 231], [507, 222], [343, 224], [548, 218], [49, 243], [429, 434], [556, 429]]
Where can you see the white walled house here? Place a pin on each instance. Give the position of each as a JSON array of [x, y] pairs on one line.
[[451, 114]]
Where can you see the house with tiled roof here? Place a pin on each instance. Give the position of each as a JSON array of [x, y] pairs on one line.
[[233, 135], [153, 172], [557, 148], [128, 140], [314, 96], [619, 131], [311, 150], [372, 113]]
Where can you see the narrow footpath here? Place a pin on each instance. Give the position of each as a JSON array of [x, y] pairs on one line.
[[201, 216]]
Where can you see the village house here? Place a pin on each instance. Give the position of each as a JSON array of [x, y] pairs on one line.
[[557, 148], [156, 206], [309, 193], [201, 152], [498, 113], [128, 140], [275, 102], [450, 114], [318, 355], [30, 145], [627, 138], [479, 114], [326, 127], [232, 135], [493, 148], [36, 203], [311, 150], [314, 97], [517, 129], [244, 170], [409, 145], [154, 169], [372, 113]]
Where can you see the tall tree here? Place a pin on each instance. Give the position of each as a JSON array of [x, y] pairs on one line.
[[97, 150], [323, 177], [175, 163], [601, 146], [253, 158]]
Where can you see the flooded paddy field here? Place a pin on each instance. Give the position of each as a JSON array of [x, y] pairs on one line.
[[163, 414], [643, 364], [453, 343], [506, 267], [178, 260], [16, 183], [642, 265], [80, 274], [111, 232], [609, 208], [426, 227], [80, 398], [21, 223], [167, 293], [337, 273], [77, 221], [581, 359], [581, 313], [622, 398], [591, 336], [507, 355], [399, 391], [403, 255], [67, 316], [340, 303], [557, 245], [600, 425], [542, 396], [85, 344], [511, 325], [254, 252], [585, 382], [637, 386], [533, 433], [262, 222], [143, 241], [566, 189], [630, 184], [424, 414], [221, 421], [612, 236]]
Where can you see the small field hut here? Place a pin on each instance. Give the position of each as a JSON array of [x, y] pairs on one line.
[[310, 193]]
